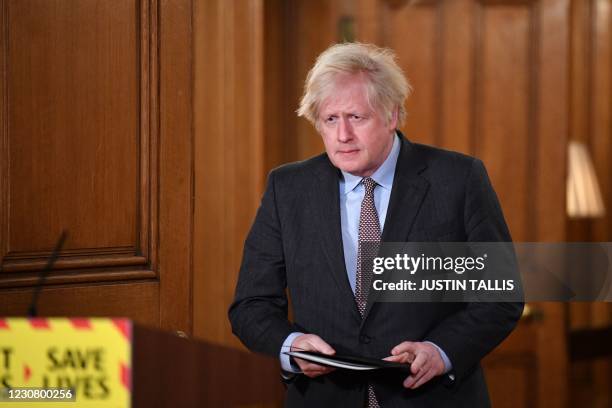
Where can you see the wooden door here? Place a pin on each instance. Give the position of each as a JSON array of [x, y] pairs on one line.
[[96, 140]]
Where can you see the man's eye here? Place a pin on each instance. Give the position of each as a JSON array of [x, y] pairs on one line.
[[356, 117], [331, 119]]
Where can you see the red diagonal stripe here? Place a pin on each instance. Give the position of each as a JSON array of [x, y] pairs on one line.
[[123, 325], [81, 323], [4, 324], [126, 376], [39, 323]]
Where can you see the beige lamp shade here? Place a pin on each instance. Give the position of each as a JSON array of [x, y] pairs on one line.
[[583, 194]]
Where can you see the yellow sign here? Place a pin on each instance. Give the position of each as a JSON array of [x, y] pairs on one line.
[[89, 357]]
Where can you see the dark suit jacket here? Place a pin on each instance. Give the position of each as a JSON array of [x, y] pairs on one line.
[[295, 243]]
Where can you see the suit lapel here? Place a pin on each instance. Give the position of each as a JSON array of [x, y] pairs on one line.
[[407, 194], [325, 198]]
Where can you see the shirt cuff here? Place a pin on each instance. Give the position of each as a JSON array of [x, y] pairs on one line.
[[447, 363], [286, 363]]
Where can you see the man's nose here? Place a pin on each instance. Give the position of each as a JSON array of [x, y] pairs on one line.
[[345, 130]]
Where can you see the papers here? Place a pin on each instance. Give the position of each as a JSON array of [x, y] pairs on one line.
[[348, 362]]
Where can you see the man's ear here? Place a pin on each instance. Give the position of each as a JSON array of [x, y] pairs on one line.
[[394, 119]]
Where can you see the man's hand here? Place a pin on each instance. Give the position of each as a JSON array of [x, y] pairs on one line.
[[425, 360], [311, 342]]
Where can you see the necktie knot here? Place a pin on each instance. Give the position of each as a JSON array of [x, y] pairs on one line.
[[369, 185]]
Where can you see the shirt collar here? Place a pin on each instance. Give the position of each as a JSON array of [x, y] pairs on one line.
[[383, 176]]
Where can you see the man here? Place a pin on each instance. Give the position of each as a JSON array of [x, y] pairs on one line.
[[371, 185]]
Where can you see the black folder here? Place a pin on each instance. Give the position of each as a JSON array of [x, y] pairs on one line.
[[348, 362]]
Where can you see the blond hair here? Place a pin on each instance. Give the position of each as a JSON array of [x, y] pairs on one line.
[[386, 86]]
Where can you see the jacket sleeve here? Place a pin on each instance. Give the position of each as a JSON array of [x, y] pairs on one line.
[[471, 333], [258, 314]]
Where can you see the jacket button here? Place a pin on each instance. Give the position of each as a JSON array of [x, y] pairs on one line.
[[364, 338]]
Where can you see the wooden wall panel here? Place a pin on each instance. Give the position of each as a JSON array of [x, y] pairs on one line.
[[229, 174], [279, 143], [459, 80], [73, 126], [551, 129], [546, 187], [413, 33], [503, 131], [76, 138]]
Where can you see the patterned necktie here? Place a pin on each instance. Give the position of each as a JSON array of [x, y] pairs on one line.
[[369, 237], [369, 232]]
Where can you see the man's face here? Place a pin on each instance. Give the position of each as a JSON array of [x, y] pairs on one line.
[[356, 137]]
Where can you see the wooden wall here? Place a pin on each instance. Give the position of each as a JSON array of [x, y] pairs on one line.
[[146, 129], [96, 140]]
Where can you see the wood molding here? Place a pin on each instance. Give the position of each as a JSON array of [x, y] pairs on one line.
[[27, 265], [149, 134], [72, 259], [512, 3], [104, 299], [396, 4], [176, 165], [4, 154], [80, 276]]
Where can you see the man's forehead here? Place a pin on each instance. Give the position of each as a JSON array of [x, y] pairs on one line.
[[346, 99], [345, 106]]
